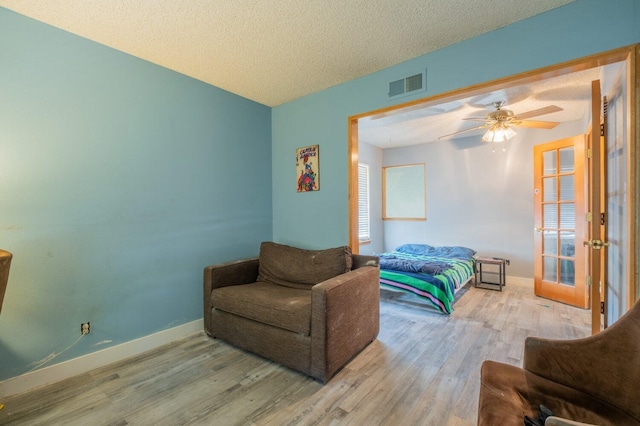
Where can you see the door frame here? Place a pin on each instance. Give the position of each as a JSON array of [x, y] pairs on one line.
[[628, 54]]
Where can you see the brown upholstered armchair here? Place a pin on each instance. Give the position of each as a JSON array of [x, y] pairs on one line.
[[310, 310], [5, 264], [595, 380]]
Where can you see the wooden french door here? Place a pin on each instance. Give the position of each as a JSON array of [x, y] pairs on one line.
[[594, 243], [559, 257]]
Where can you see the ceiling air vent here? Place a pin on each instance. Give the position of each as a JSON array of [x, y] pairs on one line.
[[408, 85]]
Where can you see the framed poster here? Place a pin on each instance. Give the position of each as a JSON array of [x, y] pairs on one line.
[[403, 192], [308, 168]]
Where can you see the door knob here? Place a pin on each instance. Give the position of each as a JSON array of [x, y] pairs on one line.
[[596, 244]]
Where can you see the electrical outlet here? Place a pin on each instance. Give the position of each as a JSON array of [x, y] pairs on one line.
[[85, 328]]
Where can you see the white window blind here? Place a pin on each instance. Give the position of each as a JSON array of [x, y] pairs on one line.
[[364, 233]]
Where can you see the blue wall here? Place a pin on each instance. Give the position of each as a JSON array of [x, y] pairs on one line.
[[119, 182], [320, 219]]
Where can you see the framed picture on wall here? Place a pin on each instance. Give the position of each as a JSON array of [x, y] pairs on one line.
[[308, 168]]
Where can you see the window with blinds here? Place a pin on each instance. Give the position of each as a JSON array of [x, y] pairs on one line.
[[364, 228]]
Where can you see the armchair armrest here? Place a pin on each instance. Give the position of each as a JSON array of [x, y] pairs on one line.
[[345, 317], [222, 275]]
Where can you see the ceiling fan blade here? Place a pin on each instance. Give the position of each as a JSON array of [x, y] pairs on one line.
[[484, 126], [540, 111], [476, 118], [534, 124]]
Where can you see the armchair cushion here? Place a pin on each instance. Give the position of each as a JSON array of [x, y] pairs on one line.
[[299, 268], [279, 306]]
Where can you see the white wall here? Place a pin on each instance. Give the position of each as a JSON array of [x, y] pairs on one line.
[[479, 195]]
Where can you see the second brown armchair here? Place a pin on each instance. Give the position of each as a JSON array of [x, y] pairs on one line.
[[595, 380]]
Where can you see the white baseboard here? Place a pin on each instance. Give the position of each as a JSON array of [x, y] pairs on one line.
[[82, 364]]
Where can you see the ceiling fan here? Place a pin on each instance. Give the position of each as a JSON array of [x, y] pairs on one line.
[[499, 122]]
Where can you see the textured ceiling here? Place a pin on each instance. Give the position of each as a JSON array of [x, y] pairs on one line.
[[278, 50]]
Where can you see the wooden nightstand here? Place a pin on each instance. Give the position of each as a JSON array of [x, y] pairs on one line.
[[499, 266]]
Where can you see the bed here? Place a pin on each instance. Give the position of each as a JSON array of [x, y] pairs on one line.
[[432, 273]]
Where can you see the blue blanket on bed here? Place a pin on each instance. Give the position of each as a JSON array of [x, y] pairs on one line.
[[457, 252], [423, 258], [433, 273], [412, 263]]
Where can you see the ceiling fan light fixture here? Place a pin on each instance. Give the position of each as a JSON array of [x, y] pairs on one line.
[[498, 133]]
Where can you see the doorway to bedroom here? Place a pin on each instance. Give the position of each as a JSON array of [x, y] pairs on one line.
[[480, 195]]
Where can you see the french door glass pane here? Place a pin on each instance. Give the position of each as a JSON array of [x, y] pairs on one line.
[[567, 215], [567, 244], [549, 165], [550, 190], [550, 216], [566, 160], [567, 272], [550, 242], [567, 188], [550, 267]]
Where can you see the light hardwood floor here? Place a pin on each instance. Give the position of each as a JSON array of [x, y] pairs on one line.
[[423, 369]]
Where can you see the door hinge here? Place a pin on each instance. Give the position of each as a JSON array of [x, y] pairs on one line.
[[602, 308], [588, 281], [589, 153], [588, 217]]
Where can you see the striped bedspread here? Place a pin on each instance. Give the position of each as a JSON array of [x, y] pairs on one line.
[[439, 288]]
